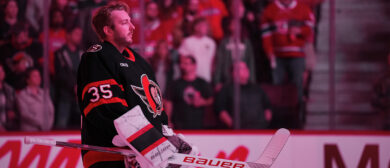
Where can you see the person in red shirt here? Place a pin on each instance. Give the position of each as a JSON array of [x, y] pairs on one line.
[[21, 45], [214, 11], [57, 36], [172, 13], [154, 30], [287, 25]]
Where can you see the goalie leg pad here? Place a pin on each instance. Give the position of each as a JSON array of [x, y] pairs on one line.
[[142, 137]]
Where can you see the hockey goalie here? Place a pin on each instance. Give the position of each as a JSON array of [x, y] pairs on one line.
[[112, 79]]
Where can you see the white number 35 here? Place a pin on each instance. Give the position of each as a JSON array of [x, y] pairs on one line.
[[106, 93]]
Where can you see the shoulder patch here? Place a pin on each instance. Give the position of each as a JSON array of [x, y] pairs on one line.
[[95, 48]]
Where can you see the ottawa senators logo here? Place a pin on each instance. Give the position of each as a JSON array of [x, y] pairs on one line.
[[95, 48], [150, 94]]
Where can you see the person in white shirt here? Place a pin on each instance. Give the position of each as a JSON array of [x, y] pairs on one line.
[[201, 47], [35, 106]]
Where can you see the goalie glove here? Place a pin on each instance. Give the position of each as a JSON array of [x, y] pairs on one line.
[[179, 141], [194, 149]]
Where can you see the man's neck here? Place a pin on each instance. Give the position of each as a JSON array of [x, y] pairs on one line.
[[33, 89], [151, 20], [198, 35], [189, 77]]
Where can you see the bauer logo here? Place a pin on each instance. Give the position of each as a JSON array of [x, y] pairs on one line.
[[212, 162]]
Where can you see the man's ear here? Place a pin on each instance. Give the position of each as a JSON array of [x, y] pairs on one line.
[[107, 30]]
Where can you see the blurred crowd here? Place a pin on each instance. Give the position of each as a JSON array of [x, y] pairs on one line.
[[200, 50]]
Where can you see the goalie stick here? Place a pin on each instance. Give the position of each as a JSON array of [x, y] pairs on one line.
[[267, 158], [48, 142]]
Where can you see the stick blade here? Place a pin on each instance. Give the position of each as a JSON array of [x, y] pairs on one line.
[[274, 147]]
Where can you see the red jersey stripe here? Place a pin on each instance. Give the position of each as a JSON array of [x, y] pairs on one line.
[[98, 83], [104, 101], [139, 133], [154, 145], [145, 84], [131, 55]]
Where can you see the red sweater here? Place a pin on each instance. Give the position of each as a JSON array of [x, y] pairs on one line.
[[277, 25]]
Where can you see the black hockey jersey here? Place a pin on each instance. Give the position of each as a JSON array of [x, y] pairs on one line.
[[109, 84]]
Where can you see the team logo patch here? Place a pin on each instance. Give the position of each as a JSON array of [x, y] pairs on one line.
[[95, 48], [150, 94]]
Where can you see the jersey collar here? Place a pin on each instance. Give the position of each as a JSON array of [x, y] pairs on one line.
[[292, 5], [128, 54]]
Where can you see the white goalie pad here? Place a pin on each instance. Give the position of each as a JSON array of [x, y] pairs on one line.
[[142, 137]]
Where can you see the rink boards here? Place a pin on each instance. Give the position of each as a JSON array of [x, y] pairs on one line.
[[305, 149]]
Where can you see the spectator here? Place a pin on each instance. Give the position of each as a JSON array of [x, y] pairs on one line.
[[214, 11], [18, 66], [162, 63], [154, 29], [190, 14], [172, 13], [172, 17], [201, 47], [10, 18], [67, 60], [251, 22], [225, 55], [246, 20], [8, 112], [56, 35], [188, 97], [315, 6], [255, 110], [87, 10], [34, 15], [70, 13], [177, 36], [287, 27], [20, 42], [36, 108]]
